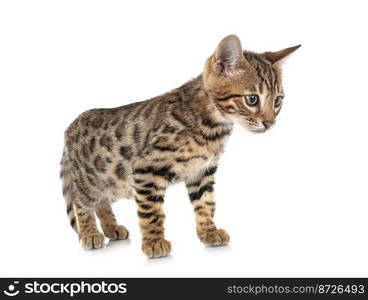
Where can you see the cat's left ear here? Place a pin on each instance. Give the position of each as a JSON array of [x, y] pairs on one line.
[[279, 57], [228, 55]]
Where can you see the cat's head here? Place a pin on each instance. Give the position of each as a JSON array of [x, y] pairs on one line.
[[246, 87]]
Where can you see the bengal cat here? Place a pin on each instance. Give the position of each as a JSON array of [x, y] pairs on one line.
[[138, 150]]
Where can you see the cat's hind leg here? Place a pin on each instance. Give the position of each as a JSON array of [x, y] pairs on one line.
[[79, 205], [110, 227], [89, 235]]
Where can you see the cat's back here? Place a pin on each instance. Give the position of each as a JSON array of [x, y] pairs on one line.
[[99, 122]]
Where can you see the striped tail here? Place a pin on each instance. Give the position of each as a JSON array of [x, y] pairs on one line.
[[67, 182]]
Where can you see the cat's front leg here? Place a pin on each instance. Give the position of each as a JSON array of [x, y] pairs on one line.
[[149, 190], [201, 194]]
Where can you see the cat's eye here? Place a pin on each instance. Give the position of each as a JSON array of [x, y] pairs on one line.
[[252, 100], [278, 101]]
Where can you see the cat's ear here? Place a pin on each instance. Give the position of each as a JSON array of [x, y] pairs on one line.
[[279, 57], [228, 55]]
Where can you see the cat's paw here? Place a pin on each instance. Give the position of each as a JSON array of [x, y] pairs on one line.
[[218, 237], [157, 248], [93, 240], [115, 232]]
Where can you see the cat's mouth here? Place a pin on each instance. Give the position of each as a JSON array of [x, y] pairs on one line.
[[255, 127]]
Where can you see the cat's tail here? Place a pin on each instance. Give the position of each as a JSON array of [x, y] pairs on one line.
[[67, 182]]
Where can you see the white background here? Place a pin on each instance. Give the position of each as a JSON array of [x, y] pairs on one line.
[[294, 200]]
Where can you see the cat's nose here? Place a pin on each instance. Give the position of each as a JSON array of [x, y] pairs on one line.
[[267, 123]]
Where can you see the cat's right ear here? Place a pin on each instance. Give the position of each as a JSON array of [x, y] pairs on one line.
[[228, 55]]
